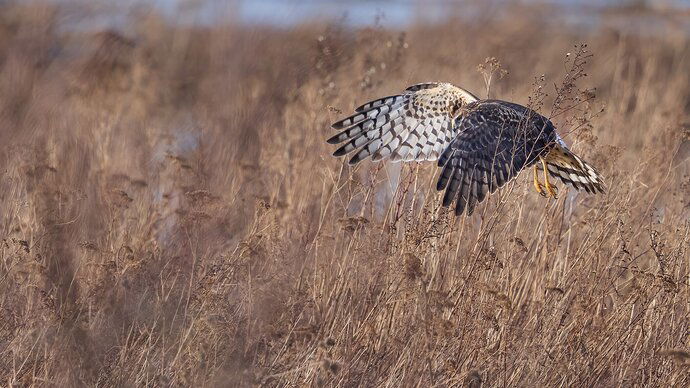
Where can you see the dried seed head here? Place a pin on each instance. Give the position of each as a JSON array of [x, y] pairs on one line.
[[680, 356], [473, 379], [334, 367], [330, 366], [413, 267]]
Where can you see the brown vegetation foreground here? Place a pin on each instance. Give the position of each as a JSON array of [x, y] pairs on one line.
[[171, 214]]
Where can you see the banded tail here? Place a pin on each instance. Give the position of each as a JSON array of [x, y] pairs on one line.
[[573, 171]]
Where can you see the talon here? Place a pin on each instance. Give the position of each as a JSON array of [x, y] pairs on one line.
[[551, 189], [537, 185]]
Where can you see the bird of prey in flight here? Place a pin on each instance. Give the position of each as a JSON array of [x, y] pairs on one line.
[[480, 145]]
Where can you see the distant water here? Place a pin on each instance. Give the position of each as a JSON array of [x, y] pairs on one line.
[[401, 12], [358, 13]]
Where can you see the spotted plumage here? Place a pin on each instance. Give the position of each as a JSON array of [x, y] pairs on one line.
[[480, 145]]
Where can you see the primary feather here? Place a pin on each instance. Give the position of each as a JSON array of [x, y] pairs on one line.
[[414, 125]]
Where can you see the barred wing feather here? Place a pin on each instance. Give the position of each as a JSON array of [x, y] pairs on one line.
[[417, 124], [495, 141]]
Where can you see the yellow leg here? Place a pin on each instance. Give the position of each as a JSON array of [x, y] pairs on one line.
[[537, 184], [551, 189]]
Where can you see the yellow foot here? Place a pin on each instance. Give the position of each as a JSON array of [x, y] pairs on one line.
[[537, 184], [551, 189]]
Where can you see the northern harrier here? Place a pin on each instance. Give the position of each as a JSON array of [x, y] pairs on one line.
[[480, 145]]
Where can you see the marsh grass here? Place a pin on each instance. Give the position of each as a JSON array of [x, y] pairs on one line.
[[171, 214]]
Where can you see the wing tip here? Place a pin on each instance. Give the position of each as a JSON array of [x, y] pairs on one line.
[[340, 152], [355, 159], [460, 207], [334, 139]]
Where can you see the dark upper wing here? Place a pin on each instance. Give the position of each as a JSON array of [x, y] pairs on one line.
[[495, 141], [414, 125]]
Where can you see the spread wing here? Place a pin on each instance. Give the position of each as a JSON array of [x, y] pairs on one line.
[[495, 141], [415, 125]]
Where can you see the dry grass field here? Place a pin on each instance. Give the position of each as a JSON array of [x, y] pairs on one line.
[[171, 215]]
